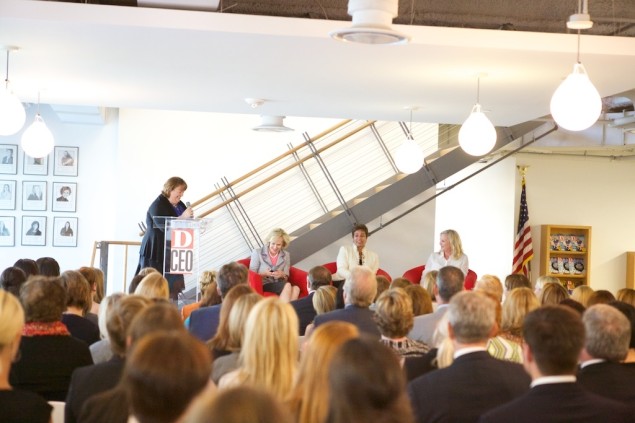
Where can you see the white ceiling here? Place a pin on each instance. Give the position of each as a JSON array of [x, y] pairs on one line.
[[133, 57]]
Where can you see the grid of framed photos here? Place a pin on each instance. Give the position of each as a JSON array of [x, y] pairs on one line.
[[36, 194]]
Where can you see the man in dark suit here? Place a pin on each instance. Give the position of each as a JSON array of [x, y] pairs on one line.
[[204, 321], [449, 283], [554, 337], [317, 277], [359, 292], [475, 382], [608, 333]]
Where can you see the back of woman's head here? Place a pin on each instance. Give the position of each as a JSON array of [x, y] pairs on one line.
[[363, 393], [429, 282], [490, 284], [306, 402], [11, 318], [221, 339], [601, 296], [516, 280], [238, 319], [95, 278], [43, 299], [78, 292], [48, 266], [582, 294], [153, 285], [625, 295], [157, 317], [421, 300], [12, 279], [324, 299], [553, 294], [163, 374], [243, 404], [393, 313], [119, 318], [29, 267], [102, 316], [270, 346], [518, 303]]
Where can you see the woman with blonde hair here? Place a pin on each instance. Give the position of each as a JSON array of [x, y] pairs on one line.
[[270, 349], [222, 343], [273, 263], [582, 294], [421, 301], [552, 294], [324, 300], [206, 281], [542, 281], [625, 295], [450, 254], [517, 305], [16, 405], [492, 285], [153, 286], [307, 404]]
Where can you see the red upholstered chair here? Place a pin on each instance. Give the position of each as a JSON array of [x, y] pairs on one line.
[[297, 277], [470, 280], [414, 274], [332, 267]]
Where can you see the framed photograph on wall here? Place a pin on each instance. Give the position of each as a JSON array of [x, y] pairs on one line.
[[7, 231], [34, 195], [7, 194], [9, 159], [33, 230], [66, 161], [65, 232], [35, 166], [64, 196]]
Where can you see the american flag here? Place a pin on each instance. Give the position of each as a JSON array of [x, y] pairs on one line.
[[523, 249]]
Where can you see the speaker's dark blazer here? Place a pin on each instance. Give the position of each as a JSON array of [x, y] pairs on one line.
[[204, 322], [305, 311], [88, 381], [153, 242], [359, 316], [560, 402], [475, 383], [610, 380]]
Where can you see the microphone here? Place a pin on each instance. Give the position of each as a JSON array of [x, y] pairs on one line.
[[187, 204]]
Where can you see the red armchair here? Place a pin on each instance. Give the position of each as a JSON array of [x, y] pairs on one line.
[[332, 267], [297, 277], [414, 276]]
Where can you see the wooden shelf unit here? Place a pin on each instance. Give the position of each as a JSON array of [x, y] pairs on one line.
[[566, 254]]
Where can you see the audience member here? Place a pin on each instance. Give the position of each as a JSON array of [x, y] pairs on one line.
[[100, 350], [449, 282], [394, 318], [220, 344], [318, 276], [481, 381], [91, 380], [360, 393], [153, 286], [236, 321], [95, 278], [270, 349], [204, 321], [626, 295], [600, 296], [542, 281], [324, 301], [498, 346], [518, 303], [29, 267], [554, 337], [628, 311], [491, 285], [243, 404], [48, 352], [359, 291], [12, 279], [160, 390], [356, 254], [516, 280], [206, 281], [383, 283], [573, 304], [429, 282], [421, 301], [582, 294], [78, 303], [553, 294], [48, 266], [608, 334], [17, 406], [134, 283], [399, 283], [308, 404]]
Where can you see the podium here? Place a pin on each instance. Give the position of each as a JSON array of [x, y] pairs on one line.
[[181, 250]]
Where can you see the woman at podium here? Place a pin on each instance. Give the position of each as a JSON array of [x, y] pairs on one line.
[[151, 254]]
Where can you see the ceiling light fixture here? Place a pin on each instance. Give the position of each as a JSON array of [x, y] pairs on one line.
[[12, 114], [254, 102], [372, 21], [582, 19], [477, 135], [272, 124], [409, 157], [576, 104], [37, 139]]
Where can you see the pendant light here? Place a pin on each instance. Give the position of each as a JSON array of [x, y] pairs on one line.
[[576, 104], [37, 139], [477, 135], [409, 157], [12, 114]]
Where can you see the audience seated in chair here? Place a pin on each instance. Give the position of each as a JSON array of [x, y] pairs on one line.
[[318, 276], [78, 304]]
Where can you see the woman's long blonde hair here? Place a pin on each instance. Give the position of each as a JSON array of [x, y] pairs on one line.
[[455, 242], [11, 320], [308, 404], [269, 354]]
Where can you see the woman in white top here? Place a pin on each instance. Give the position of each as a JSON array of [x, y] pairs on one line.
[[356, 254], [451, 253]]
